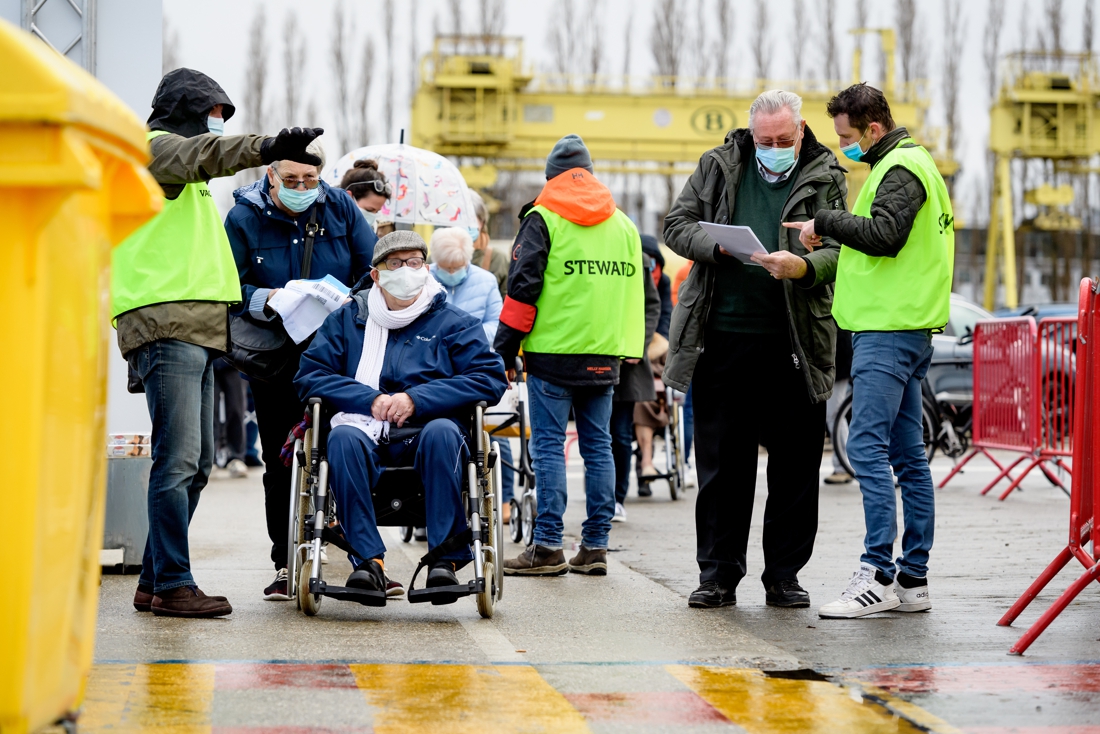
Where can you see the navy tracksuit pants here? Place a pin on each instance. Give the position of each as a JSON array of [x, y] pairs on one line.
[[438, 453]]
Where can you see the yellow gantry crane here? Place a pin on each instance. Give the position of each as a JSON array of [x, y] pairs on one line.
[[1046, 109], [478, 100]]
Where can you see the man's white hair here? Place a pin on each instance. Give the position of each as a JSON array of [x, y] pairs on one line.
[[315, 148], [772, 101], [451, 247]]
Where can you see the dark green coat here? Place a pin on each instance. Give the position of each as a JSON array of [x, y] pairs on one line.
[[709, 196]]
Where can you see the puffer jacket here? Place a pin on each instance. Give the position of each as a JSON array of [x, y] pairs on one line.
[[709, 196], [478, 296], [442, 361]]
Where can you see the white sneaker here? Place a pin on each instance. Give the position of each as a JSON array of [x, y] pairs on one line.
[[913, 600], [620, 513], [864, 595], [237, 469]]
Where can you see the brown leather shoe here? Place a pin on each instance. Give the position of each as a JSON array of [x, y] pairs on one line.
[[591, 561], [537, 560], [189, 601], [143, 598]]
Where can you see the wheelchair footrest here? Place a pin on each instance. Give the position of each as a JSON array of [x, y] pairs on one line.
[[446, 594], [347, 593]]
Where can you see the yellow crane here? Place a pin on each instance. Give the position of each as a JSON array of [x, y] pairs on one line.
[[479, 100]]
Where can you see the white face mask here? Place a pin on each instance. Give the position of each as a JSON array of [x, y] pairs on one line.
[[404, 284]]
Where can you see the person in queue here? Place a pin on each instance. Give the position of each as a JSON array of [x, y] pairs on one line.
[[756, 346], [368, 187], [576, 306], [398, 355], [172, 282], [485, 257], [893, 288], [267, 229], [652, 415]]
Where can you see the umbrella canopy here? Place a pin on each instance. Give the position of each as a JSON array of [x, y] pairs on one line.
[[427, 188]]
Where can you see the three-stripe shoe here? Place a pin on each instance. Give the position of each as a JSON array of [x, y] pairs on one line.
[[869, 591]]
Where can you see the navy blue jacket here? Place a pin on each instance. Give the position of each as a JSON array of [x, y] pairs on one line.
[[442, 361], [268, 243]]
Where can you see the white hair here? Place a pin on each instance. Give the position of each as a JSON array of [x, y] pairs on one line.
[[772, 101], [452, 246], [315, 148]]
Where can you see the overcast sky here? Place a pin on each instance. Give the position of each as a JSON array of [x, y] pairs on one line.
[[213, 37]]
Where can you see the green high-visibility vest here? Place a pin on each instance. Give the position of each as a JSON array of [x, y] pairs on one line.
[[181, 254], [593, 297]]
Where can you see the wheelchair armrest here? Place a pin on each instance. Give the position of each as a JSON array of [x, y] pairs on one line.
[[482, 404], [315, 401]]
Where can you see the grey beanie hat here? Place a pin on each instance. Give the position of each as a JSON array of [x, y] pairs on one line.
[[568, 153], [402, 239]]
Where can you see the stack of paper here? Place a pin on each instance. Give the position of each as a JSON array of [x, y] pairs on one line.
[[304, 304]]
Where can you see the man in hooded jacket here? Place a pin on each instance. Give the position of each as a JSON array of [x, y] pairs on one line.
[[577, 306], [172, 282]]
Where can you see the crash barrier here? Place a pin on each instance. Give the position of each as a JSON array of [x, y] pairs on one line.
[[1023, 397], [1085, 485], [72, 184]]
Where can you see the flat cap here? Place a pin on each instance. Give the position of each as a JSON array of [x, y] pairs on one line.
[[402, 239]]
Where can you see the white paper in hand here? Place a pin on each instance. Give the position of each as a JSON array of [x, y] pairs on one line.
[[738, 241], [304, 304]]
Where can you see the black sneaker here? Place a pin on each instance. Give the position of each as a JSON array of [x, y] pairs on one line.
[[442, 573], [787, 593], [276, 590], [537, 560], [369, 576], [711, 594], [591, 561]]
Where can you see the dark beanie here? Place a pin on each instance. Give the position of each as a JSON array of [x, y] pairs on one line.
[[568, 153]]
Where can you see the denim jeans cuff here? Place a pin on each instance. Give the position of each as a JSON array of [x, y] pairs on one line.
[[174, 585], [551, 546]]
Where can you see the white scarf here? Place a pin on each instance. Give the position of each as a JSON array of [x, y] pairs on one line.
[[380, 319]]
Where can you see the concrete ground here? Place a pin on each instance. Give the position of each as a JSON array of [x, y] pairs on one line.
[[621, 653]]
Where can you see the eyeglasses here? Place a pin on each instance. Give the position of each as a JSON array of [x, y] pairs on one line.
[[308, 183], [776, 143], [380, 187], [396, 263]]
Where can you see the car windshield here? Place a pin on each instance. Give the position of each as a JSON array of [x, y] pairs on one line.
[[963, 317]]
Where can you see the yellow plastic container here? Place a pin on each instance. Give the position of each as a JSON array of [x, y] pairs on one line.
[[72, 185]]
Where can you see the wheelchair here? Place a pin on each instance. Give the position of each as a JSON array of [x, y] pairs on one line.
[[674, 445], [398, 501]]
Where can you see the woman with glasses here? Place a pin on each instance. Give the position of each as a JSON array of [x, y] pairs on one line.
[[268, 230], [370, 190]]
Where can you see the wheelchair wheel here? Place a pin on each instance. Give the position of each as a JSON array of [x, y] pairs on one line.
[[299, 509], [486, 598], [406, 533], [515, 522], [310, 603], [527, 522]]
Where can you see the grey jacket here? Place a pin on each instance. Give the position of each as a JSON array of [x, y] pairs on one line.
[[709, 196]]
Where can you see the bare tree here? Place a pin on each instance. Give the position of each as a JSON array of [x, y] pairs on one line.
[[593, 51], [761, 43], [170, 47], [666, 40], [455, 8], [953, 41], [492, 24], [294, 59], [628, 38], [388, 13], [1053, 35], [910, 41], [255, 75], [991, 47], [361, 134], [724, 28], [1087, 27], [699, 49], [340, 56], [829, 49], [798, 60], [563, 38], [414, 52], [1025, 25]]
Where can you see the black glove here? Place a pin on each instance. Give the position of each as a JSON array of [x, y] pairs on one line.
[[290, 145]]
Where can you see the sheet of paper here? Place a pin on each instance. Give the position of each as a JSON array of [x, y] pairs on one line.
[[304, 304], [738, 241]]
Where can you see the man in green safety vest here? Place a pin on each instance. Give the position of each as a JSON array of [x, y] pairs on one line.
[[893, 287], [576, 304], [172, 282]]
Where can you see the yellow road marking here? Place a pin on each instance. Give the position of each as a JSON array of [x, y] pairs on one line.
[[464, 698], [763, 705], [171, 698]]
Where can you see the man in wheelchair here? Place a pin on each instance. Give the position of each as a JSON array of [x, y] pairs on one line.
[[403, 370]]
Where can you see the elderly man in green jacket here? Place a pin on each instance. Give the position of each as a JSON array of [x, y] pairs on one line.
[[767, 367]]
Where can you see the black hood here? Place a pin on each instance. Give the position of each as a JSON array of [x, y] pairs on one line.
[[649, 247], [183, 100]]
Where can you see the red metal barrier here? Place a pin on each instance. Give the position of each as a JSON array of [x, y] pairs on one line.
[[1085, 494], [1005, 411]]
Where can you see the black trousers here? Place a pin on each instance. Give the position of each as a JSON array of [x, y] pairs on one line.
[[622, 445], [747, 393], [230, 434], [278, 410]]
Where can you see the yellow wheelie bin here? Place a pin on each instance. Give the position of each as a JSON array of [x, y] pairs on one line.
[[72, 185]]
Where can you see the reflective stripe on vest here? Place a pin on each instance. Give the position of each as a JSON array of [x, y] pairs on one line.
[[913, 290], [593, 296], [181, 254]]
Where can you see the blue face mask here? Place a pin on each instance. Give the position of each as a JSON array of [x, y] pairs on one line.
[[297, 200], [216, 125], [370, 217], [776, 160], [474, 233], [854, 152], [451, 280]]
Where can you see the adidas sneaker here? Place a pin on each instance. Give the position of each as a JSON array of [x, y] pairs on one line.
[[870, 591], [912, 593]]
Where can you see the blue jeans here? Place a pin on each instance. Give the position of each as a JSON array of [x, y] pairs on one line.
[[507, 475], [438, 453], [179, 390], [886, 429], [550, 405]]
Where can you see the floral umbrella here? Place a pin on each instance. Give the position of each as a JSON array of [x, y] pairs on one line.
[[427, 188]]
